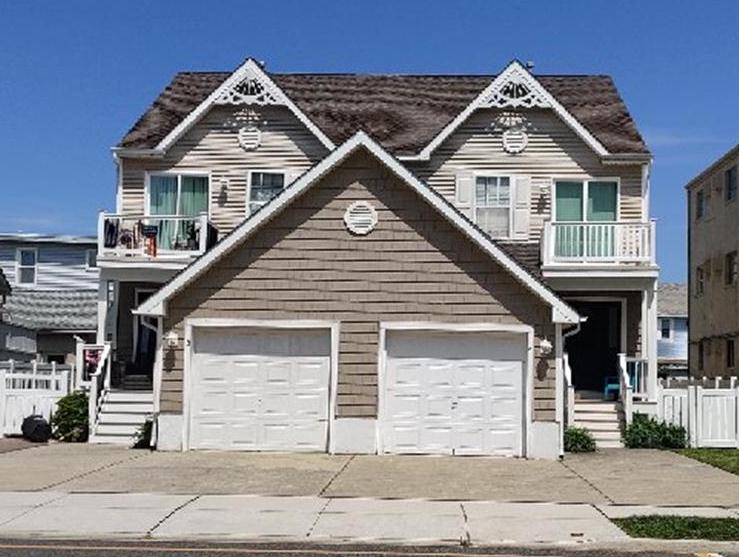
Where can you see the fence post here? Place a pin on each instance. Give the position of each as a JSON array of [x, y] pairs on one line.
[[692, 409], [2, 400], [736, 411]]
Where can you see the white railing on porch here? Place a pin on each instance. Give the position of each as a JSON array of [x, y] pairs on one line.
[[601, 242], [30, 388], [152, 236], [99, 388], [637, 370], [708, 409], [625, 388]]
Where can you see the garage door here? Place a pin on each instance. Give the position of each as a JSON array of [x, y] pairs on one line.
[[453, 393], [259, 389]]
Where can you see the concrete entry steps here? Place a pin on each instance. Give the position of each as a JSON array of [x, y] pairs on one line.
[[603, 419], [122, 415]]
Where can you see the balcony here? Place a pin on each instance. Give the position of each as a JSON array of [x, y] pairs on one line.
[[598, 244], [161, 238]]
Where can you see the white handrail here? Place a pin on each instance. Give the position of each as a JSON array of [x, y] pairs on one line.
[[626, 391], [99, 387], [569, 389]]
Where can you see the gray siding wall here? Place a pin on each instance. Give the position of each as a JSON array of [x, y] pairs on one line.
[[675, 348], [59, 266], [413, 267], [554, 151], [212, 147]]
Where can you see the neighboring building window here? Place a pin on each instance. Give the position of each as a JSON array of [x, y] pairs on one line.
[[700, 204], [730, 354], [700, 281], [91, 259], [263, 186], [701, 354], [665, 328], [730, 269], [493, 205], [26, 262], [730, 183]]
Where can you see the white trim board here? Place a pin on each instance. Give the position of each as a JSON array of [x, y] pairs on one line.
[[517, 72], [156, 305], [249, 69]]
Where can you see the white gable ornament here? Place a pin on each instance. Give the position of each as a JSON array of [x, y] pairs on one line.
[[252, 89], [514, 136], [360, 218], [517, 90]]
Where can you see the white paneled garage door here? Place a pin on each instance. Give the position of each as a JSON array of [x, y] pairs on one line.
[[453, 393], [259, 389]]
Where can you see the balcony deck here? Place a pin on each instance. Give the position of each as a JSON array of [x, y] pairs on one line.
[[167, 240], [586, 245]]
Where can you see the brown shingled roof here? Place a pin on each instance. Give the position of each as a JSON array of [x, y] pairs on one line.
[[403, 112]]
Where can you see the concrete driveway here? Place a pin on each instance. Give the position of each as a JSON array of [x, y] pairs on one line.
[[620, 477]]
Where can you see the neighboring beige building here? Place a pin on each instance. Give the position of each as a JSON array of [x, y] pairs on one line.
[[713, 244], [379, 263]]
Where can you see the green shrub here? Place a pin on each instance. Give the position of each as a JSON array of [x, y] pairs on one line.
[[69, 423], [645, 432], [142, 439], [579, 440]]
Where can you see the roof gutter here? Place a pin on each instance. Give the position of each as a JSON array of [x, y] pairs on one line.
[[137, 153]]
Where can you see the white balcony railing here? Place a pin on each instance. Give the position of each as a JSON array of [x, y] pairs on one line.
[[153, 237], [598, 242]]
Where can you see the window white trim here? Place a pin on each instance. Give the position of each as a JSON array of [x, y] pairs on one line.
[[586, 184], [18, 266], [156, 305], [511, 199], [178, 174], [93, 252], [671, 329], [285, 177]]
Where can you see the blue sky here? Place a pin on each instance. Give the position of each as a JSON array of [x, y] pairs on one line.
[[75, 75]]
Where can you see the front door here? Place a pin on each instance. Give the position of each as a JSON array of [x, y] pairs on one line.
[[593, 352], [144, 337]]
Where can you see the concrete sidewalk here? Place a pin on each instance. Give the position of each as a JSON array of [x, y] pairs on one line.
[[244, 517], [257, 518]]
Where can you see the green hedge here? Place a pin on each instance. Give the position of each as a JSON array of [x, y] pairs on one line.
[[579, 440], [645, 432], [69, 422]]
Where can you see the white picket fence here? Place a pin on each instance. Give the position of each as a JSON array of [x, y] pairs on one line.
[[708, 409], [30, 388]]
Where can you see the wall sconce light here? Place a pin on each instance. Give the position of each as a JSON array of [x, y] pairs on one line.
[[172, 339], [545, 347]]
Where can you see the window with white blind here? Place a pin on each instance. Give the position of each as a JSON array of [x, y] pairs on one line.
[[263, 186], [492, 209]]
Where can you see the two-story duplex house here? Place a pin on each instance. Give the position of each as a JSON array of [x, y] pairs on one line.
[[713, 245], [53, 300], [380, 263]]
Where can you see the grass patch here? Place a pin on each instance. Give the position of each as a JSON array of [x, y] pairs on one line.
[[726, 459], [680, 527]]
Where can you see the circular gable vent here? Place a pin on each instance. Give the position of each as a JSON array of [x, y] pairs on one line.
[[249, 137], [360, 218], [515, 140]]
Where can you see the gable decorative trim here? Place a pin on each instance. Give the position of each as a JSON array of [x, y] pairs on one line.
[[514, 88], [249, 85], [157, 303]]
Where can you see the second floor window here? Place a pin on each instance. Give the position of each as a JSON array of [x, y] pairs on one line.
[[177, 195], [665, 328], [730, 268], [493, 205], [730, 183], [700, 281], [26, 262], [263, 186], [700, 204]]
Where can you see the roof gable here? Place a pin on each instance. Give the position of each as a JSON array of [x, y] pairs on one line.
[[402, 112], [156, 304]]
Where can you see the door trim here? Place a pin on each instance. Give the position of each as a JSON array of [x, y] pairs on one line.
[[208, 323], [616, 299], [528, 368]]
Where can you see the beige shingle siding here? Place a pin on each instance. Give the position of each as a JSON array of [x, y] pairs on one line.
[[413, 267], [212, 146], [553, 151]]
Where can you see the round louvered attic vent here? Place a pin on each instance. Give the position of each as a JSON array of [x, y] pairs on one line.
[[360, 218], [515, 140], [249, 137]]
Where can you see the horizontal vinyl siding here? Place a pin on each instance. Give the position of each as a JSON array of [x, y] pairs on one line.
[[553, 151], [675, 348], [59, 266], [212, 146], [304, 264]]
